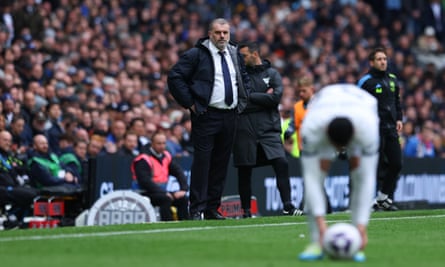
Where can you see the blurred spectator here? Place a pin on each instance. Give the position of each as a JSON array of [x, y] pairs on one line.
[[74, 156], [28, 22], [428, 43], [421, 145], [82, 134], [13, 189], [112, 60], [28, 106], [8, 107], [186, 136], [45, 168], [117, 132], [434, 16], [174, 140], [96, 146], [137, 126], [36, 126], [2, 123], [67, 124], [7, 21], [129, 145], [19, 143]]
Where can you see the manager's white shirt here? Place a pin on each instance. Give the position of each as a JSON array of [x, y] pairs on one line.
[[217, 98]]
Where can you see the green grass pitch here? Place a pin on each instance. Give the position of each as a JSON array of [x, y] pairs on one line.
[[396, 239]]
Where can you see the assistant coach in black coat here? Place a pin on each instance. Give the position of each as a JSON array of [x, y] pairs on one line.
[[200, 82], [258, 136]]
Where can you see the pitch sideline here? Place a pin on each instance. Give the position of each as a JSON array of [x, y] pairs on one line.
[[187, 229]]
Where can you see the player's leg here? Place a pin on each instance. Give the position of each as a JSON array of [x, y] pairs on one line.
[[315, 205], [362, 193]]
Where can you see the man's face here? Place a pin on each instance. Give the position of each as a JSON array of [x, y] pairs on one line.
[[305, 92], [380, 61], [94, 147], [131, 141], [5, 141], [118, 129], [81, 150], [159, 143], [219, 35], [41, 144], [248, 57]]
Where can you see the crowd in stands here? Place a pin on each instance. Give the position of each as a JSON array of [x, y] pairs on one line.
[[91, 74]]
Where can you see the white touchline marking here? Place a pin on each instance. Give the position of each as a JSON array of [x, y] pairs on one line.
[[188, 229]]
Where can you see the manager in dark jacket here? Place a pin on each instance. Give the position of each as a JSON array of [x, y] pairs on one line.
[[258, 140], [210, 80], [384, 87]]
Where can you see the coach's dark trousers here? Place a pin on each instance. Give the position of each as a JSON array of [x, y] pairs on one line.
[[212, 135], [390, 162]]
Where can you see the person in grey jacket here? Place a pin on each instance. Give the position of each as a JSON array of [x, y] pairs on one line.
[[210, 80], [257, 140]]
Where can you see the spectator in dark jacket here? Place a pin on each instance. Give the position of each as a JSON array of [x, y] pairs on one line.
[[45, 168], [13, 187]]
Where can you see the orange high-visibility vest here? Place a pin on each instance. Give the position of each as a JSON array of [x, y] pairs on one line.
[[159, 169], [299, 113]]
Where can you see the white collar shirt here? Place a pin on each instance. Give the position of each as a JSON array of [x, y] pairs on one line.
[[217, 98]]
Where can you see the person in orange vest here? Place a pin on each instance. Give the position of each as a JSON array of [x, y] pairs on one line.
[[161, 179], [306, 90]]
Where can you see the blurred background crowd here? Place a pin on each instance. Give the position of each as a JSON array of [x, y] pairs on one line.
[[95, 70]]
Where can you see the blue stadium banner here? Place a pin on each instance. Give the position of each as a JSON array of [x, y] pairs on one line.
[[422, 182]]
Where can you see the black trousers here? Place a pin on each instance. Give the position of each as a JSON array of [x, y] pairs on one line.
[[213, 135], [165, 203], [390, 162], [20, 198], [281, 169]]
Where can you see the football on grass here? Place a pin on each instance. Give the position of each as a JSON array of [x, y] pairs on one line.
[[341, 241]]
